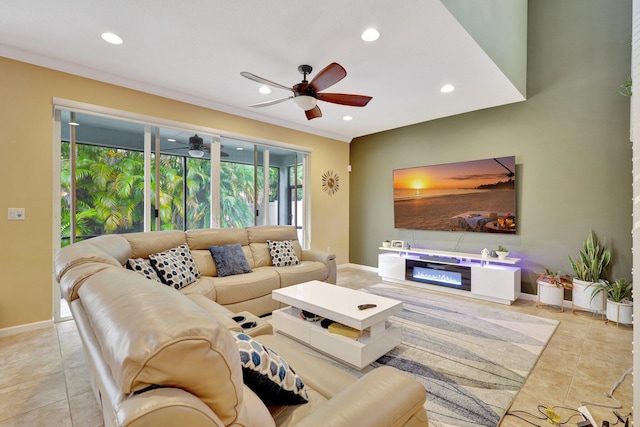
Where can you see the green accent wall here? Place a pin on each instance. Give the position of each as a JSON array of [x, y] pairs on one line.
[[570, 139]]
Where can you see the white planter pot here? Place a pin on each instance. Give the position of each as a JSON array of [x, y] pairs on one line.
[[620, 312], [502, 255], [550, 294], [581, 296]]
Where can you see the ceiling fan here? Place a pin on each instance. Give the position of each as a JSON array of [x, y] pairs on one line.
[[306, 94], [197, 147]]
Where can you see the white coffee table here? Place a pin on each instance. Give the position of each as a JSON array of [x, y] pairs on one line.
[[340, 305]]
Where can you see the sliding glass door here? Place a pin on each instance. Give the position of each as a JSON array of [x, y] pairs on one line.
[[122, 176]]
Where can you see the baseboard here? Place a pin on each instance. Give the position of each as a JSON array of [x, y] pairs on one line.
[[14, 330], [358, 267]]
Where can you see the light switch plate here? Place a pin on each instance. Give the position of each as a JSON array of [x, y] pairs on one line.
[[16, 214]]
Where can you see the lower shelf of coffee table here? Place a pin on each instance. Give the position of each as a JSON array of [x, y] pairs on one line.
[[354, 352]]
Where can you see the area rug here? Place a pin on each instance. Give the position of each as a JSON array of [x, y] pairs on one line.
[[472, 358]]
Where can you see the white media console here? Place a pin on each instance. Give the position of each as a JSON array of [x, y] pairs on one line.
[[490, 279]]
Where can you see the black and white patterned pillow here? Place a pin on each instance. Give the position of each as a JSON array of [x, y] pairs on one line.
[[175, 267], [282, 253], [143, 266], [268, 375]]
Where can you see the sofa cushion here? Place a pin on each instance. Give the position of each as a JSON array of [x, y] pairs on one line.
[[146, 243], [143, 266], [230, 260], [203, 238], [268, 374], [306, 271], [233, 289], [282, 253], [175, 267]]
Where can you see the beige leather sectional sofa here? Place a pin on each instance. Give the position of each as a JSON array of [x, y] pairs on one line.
[[159, 356]]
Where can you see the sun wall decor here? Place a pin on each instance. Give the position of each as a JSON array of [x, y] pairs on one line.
[[330, 182]]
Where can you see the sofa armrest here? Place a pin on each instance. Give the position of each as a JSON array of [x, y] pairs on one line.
[[319, 256], [326, 258], [165, 407], [382, 398]]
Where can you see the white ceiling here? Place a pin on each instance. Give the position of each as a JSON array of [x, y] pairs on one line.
[[194, 51]]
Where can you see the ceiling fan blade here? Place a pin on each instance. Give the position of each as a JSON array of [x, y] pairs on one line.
[[259, 79], [313, 113], [267, 103], [328, 76], [345, 99]]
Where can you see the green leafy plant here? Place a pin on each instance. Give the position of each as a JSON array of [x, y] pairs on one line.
[[625, 88], [502, 249], [618, 291], [593, 259], [555, 278]]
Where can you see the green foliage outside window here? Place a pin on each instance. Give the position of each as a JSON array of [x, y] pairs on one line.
[[110, 192]]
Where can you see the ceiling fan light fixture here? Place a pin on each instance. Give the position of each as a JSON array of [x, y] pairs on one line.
[[195, 146], [305, 102], [264, 90]]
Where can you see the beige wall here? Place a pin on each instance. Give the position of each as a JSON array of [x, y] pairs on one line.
[[570, 139], [26, 172]]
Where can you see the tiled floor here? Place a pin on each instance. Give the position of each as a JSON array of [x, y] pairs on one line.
[[44, 378]]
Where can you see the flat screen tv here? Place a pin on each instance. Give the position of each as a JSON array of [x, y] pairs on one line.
[[476, 196]]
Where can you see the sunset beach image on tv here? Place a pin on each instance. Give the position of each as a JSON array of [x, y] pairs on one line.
[[476, 196]]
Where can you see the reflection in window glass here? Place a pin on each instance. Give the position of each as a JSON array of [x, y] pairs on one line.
[[198, 193]]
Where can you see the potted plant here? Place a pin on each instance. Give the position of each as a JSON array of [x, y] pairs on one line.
[[502, 252], [589, 268], [386, 243], [619, 296], [551, 286]]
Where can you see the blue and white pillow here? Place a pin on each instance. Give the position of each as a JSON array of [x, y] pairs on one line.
[[143, 266], [175, 267], [282, 253], [268, 375]]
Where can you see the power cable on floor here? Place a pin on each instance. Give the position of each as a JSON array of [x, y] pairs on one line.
[[610, 393], [548, 414]]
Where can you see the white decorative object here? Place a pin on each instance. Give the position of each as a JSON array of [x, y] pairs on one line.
[[484, 254], [581, 297], [550, 294], [620, 312], [398, 244], [502, 254], [386, 244]]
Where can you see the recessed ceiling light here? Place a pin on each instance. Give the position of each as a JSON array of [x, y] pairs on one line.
[[171, 140], [265, 90], [347, 118], [111, 38], [447, 88], [370, 34]]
